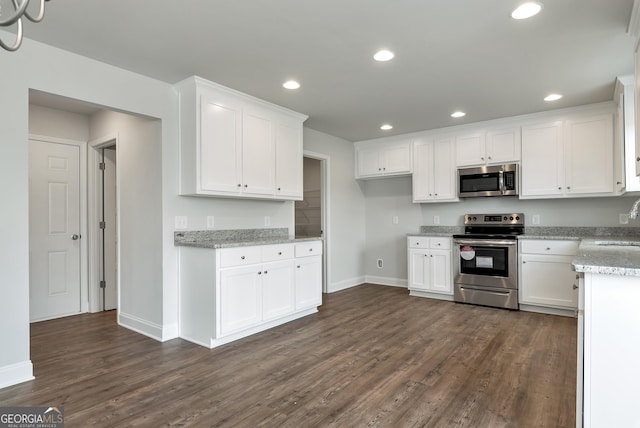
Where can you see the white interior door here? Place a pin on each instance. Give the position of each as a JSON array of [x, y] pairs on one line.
[[54, 230], [111, 231]]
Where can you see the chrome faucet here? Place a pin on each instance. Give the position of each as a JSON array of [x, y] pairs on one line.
[[634, 209]]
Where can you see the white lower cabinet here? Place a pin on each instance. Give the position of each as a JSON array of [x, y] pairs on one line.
[[230, 293], [430, 266], [546, 278]]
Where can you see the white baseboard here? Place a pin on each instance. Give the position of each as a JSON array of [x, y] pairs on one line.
[[141, 326], [439, 296], [383, 280], [550, 311], [170, 331], [16, 373], [347, 283]]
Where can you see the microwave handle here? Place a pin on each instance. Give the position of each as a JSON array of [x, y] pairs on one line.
[[501, 181]]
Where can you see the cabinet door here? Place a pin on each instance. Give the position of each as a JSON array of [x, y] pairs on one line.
[[503, 146], [440, 261], [444, 171], [368, 162], [422, 179], [470, 150], [308, 282], [240, 301], [419, 270], [220, 148], [289, 159], [258, 153], [542, 160], [277, 289], [548, 281], [589, 155], [396, 159]]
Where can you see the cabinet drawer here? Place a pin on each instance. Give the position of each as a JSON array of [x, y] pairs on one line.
[[418, 242], [437, 243], [240, 256], [440, 243], [272, 253], [568, 248], [306, 249]]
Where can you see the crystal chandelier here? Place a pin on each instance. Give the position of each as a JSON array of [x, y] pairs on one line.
[[19, 10]]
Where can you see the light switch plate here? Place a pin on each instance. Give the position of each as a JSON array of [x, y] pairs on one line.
[[395, 219], [267, 221], [535, 219], [436, 219], [210, 222], [181, 222]]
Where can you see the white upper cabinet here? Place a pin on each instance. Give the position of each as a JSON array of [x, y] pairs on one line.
[[434, 174], [381, 159], [488, 148], [568, 158], [235, 145]]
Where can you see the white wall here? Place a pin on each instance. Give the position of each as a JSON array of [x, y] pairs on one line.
[[56, 123], [346, 238], [390, 197], [139, 160]]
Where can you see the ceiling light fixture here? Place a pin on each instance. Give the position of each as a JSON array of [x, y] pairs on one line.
[[552, 97], [383, 55], [20, 10], [386, 127], [458, 114], [527, 10], [291, 84]]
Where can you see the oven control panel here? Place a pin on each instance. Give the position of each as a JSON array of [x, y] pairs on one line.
[[494, 219]]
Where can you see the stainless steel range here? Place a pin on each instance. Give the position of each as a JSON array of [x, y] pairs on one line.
[[486, 260]]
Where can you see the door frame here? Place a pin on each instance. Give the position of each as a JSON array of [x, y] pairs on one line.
[[84, 238], [325, 180], [93, 216]]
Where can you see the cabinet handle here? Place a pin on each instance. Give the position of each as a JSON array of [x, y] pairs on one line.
[[575, 287], [436, 194], [489, 157], [310, 249], [439, 244], [279, 253], [260, 273], [560, 188], [568, 187], [245, 185], [481, 158], [298, 266], [638, 159], [548, 249], [239, 185], [278, 189], [242, 257], [524, 261], [618, 182], [577, 276], [266, 272]]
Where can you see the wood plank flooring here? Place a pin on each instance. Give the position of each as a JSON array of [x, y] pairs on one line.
[[371, 357]]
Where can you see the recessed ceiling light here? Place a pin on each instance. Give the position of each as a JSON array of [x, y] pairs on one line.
[[386, 127], [552, 97], [383, 55], [527, 10], [457, 114], [291, 84]]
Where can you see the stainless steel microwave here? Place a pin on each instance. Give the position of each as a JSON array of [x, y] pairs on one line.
[[495, 180]]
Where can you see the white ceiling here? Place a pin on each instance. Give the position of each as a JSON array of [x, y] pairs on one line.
[[450, 54]]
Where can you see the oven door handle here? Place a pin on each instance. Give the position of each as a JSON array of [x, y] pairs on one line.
[[486, 243]]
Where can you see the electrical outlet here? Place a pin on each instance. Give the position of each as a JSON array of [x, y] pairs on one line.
[[436, 219], [210, 223], [380, 263], [395, 219], [267, 221], [624, 218], [181, 222], [535, 219]]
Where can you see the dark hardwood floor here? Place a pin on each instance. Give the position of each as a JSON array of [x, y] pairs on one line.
[[372, 356]]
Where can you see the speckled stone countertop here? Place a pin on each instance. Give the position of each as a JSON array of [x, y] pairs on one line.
[[235, 238], [577, 233], [438, 231], [615, 256]]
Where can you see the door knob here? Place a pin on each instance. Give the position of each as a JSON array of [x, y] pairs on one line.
[[75, 237]]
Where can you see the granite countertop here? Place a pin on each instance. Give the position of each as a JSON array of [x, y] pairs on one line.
[[616, 256], [236, 238]]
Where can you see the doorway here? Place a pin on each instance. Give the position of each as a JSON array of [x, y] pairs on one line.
[[103, 224], [311, 214]]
